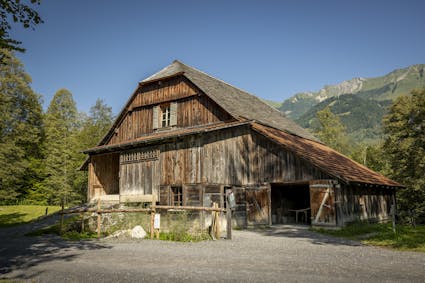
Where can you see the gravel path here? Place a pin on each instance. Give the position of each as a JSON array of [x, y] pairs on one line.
[[281, 254]]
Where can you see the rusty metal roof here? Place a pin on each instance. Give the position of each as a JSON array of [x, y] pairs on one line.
[[325, 158]]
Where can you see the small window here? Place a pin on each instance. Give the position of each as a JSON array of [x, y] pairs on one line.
[[176, 196], [165, 116]]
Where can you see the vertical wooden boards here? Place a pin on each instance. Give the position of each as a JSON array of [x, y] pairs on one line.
[[322, 202], [363, 202], [139, 174], [258, 205], [103, 175], [189, 107]]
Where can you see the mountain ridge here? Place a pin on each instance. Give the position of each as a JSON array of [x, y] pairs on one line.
[[360, 102]]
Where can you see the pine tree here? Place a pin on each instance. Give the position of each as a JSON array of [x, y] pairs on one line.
[[61, 154], [331, 131], [405, 148], [20, 130]]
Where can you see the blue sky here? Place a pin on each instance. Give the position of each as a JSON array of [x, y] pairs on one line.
[[273, 49]]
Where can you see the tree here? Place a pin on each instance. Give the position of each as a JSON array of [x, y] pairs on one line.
[[61, 155], [405, 148], [331, 131], [94, 127], [21, 131], [20, 13]]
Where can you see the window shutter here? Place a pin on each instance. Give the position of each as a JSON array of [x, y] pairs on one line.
[[155, 117], [164, 195], [173, 116]]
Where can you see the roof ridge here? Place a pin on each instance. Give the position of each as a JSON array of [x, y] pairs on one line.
[[226, 83]]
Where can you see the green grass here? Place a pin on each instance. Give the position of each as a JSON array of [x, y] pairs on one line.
[[183, 237], [406, 237], [67, 235], [18, 214]]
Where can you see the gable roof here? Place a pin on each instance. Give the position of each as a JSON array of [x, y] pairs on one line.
[[325, 158], [238, 103]]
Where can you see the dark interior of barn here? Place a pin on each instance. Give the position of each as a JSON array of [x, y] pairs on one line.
[[290, 204]]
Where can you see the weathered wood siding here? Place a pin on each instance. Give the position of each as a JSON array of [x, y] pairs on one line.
[[356, 203], [139, 172], [103, 175], [193, 108], [234, 157]]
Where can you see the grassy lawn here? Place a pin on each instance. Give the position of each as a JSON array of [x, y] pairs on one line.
[[19, 214], [406, 238]]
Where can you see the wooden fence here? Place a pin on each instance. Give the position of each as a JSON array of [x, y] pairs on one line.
[[215, 231]]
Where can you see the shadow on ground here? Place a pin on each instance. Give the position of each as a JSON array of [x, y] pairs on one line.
[[300, 231], [19, 252]]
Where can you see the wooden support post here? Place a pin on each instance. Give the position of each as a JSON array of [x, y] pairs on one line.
[[98, 218], [216, 222], [393, 217], [61, 222], [82, 222], [152, 228], [47, 210], [228, 219]]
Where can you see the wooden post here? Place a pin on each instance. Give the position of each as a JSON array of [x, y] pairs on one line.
[[152, 229], [393, 217], [82, 222], [216, 222], [61, 222], [98, 218], [47, 210], [228, 219]]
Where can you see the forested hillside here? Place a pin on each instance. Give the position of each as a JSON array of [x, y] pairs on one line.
[[360, 102]]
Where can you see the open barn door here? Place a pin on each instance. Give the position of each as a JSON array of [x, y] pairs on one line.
[[258, 206], [322, 202]]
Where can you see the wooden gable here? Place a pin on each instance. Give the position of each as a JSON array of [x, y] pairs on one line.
[[189, 104]]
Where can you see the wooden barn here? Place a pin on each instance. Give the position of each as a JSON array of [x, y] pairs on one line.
[[184, 138]]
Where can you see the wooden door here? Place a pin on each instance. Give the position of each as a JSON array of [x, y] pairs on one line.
[[322, 202], [258, 205]]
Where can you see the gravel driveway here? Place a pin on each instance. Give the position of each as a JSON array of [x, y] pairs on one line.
[[280, 254]]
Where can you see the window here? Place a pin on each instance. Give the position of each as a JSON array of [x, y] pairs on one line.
[[165, 116], [176, 196]]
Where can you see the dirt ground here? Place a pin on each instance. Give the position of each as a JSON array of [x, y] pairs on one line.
[[279, 254]]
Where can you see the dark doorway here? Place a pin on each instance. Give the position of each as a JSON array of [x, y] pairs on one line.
[[290, 203]]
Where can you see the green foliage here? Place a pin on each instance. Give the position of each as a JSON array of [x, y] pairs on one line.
[[19, 214], [405, 147], [372, 156], [21, 132], [93, 129], [61, 149], [361, 117], [406, 237], [331, 131], [183, 237], [360, 103], [21, 13]]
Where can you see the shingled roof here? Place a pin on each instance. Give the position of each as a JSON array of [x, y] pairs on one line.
[[238, 103], [325, 158]]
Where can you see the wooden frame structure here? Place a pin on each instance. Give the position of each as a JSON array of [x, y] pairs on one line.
[[219, 138]]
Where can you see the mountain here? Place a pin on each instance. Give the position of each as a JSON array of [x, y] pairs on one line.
[[388, 87], [361, 103]]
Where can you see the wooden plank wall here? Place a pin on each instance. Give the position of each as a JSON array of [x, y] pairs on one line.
[[139, 178], [356, 203], [193, 108], [233, 157], [103, 175]]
